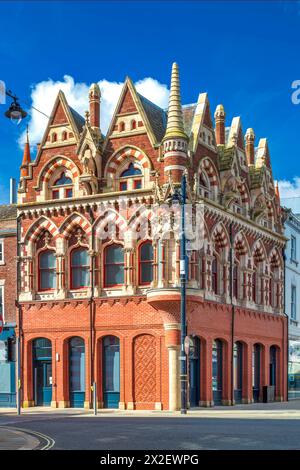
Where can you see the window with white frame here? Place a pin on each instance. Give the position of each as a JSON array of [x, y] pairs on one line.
[[1, 251], [293, 248], [293, 303]]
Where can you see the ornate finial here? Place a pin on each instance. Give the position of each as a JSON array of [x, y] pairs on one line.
[[27, 134], [250, 136], [87, 117], [175, 118], [219, 112]]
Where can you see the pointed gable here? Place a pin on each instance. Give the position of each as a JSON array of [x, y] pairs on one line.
[[134, 114], [63, 120], [127, 105], [263, 154], [59, 115], [202, 119], [236, 133]]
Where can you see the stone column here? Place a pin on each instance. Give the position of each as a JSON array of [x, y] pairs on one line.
[[172, 332], [128, 274]]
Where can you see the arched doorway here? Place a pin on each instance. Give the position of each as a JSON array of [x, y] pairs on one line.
[[42, 371], [256, 361], [273, 365], [217, 371], [77, 372], [111, 371], [238, 371], [194, 371]]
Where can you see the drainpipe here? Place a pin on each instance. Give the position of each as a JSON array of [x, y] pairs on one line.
[[287, 324], [19, 335], [92, 310], [232, 309]]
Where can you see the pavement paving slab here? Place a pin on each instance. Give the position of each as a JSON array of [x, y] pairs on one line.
[[14, 439]]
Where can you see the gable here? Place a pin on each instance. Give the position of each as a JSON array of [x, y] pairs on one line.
[[59, 116], [134, 114], [127, 104]]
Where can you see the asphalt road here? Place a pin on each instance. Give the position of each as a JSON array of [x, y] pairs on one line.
[[161, 433]]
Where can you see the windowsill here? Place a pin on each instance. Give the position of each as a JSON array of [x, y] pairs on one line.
[[2, 263]]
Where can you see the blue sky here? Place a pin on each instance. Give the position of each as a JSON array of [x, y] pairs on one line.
[[244, 54]]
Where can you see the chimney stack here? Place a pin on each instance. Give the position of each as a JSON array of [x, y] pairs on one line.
[[12, 191], [94, 98], [250, 138], [220, 125]]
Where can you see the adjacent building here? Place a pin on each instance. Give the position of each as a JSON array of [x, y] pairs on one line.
[[100, 258], [292, 287], [8, 292]]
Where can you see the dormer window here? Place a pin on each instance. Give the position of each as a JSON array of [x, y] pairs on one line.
[[62, 187], [131, 178]]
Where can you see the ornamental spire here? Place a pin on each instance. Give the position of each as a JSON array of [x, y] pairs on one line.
[[175, 119], [26, 156]]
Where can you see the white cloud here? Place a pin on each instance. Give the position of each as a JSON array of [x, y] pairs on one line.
[[290, 193], [44, 93]]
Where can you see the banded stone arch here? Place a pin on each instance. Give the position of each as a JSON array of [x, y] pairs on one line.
[[220, 236], [275, 258], [53, 165], [109, 217], [72, 221], [121, 158], [241, 245], [258, 251], [43, 223], [208, 166]]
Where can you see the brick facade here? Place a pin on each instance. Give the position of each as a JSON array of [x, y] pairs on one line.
[[239, 218]]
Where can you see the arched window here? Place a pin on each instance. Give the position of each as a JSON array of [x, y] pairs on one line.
[[80, 268], [133, 125], [131, 178], [145, 263], [204, 185], [113, 265], [64, 136], [54, 137], [214, 275], [62, 187], [47, 270], [122, 126]]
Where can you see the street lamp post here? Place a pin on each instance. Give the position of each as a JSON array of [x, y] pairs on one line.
[[183, 276], [15, 112]]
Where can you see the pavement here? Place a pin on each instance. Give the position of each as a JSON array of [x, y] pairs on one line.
[[15, 439], [257, 426]]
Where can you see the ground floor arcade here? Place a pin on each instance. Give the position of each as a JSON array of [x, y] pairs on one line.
[[132, 353]]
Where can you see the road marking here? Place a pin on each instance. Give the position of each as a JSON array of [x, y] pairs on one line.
[[49, 441]]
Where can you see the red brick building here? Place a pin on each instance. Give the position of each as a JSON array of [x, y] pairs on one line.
[[100, 273], [8, 292]]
